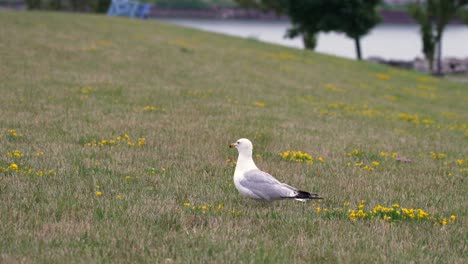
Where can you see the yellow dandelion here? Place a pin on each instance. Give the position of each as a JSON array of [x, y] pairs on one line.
[[141, 141], [150, 108], [13, 166], [453, 217], [187, 204], [98, 194], [259, 104], [376, 163], [383, 76], [384, 154]]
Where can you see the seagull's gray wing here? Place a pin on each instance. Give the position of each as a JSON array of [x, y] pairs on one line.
[[266, 186]]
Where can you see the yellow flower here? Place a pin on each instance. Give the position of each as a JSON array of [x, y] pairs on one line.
[[346, 204], [150, 108], [453, 217], [187, 204], [396, 206], [427, 121], [352, 215], [13, 166], [437, 156], [98, 194], [353, 153], [444, 221], [128, 177], [119, 197], [460, 162], [375, 163], [220, 207], [15, 153], [383, 76], [320, 159], [259, 104]]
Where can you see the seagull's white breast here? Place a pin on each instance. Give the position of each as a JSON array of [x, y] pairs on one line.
[[244, 164]]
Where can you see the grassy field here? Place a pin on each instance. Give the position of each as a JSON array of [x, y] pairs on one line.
[[114, 148]]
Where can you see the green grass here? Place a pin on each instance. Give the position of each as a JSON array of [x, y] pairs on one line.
[[68, 80]]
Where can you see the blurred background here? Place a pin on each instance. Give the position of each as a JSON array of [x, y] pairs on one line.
[[426, 35]]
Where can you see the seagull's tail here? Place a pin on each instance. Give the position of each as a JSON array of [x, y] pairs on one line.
[[304, 196]]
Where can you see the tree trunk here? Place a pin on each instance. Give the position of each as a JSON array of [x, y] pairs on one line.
[[309, 40], [439, 56], [358, 48]]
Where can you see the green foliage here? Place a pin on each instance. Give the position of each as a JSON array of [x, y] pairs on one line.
[[195, 4], [421, 15], [354, 18], [33, 4], [433, 16], [463, 15], [101, 6], [279, 6], [98, 6]]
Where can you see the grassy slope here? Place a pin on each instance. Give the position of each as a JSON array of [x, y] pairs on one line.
[[205, 87]]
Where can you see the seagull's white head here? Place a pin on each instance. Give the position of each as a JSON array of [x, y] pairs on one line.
[[244, 146]]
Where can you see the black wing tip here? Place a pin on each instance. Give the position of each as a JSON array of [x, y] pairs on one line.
[[307, 195]]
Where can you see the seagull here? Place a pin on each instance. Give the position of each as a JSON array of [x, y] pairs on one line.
[[254, 183]]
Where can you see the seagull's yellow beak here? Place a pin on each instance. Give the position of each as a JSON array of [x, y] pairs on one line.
[[232, 145]]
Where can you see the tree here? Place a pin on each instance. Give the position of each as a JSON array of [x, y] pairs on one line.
[[427, 32], [355, 18], [463, 15], [433, 16], [279, 6]]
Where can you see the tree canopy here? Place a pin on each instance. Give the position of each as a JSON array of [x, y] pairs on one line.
[[355, 18], [433, 16]]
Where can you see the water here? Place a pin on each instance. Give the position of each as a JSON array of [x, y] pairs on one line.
[[389, 41]]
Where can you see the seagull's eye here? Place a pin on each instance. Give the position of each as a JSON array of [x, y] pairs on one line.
[[238, 142]]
